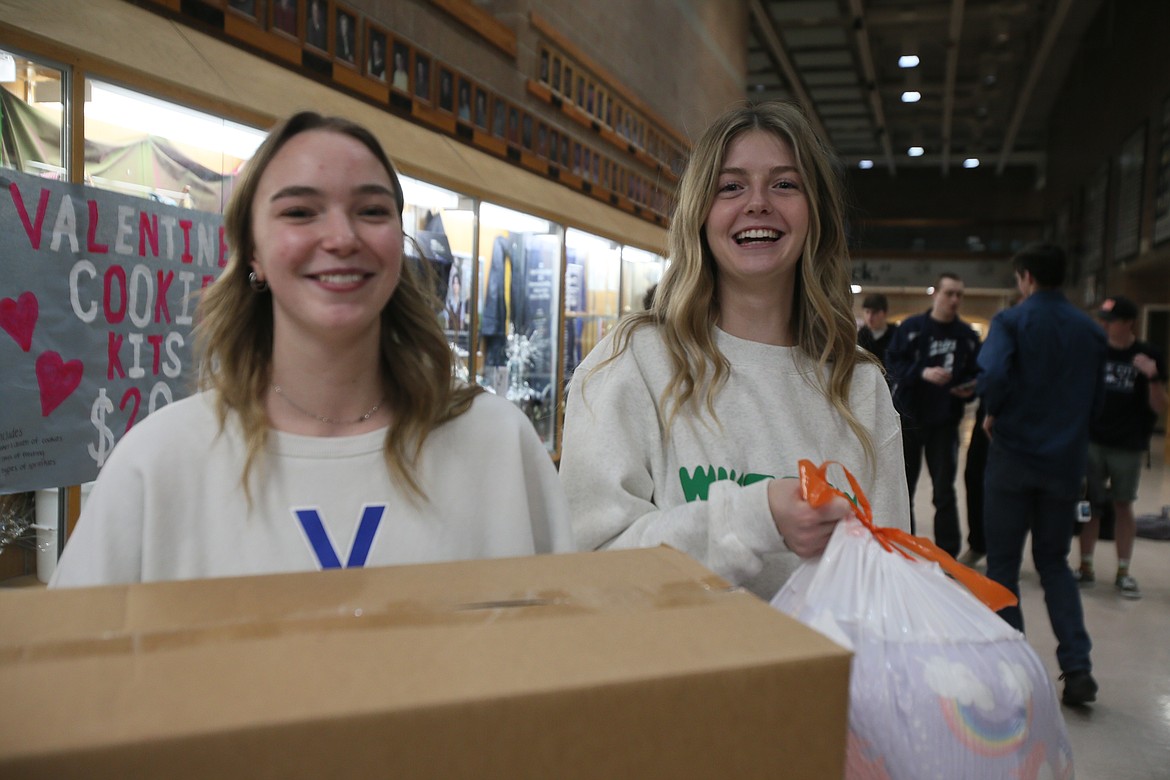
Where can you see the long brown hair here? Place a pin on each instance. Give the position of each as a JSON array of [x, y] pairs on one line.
[[686, 304], [235, 329]]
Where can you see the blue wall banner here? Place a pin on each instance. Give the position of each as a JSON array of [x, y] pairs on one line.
[[97, 303]]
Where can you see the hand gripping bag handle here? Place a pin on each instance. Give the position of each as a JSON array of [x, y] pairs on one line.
[[817, 491]]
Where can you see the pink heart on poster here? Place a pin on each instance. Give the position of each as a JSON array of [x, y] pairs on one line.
[[19, 317], [57, 380]]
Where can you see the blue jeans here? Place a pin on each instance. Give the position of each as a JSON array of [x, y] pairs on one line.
[[1018, 498], [940, 443]]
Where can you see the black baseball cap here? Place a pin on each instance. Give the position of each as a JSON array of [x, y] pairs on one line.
[[1117, 308]]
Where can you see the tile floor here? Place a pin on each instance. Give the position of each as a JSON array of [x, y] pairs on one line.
[[1125, 735]]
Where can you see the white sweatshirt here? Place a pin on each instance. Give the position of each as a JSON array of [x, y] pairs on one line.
[[169, 503], [703, 488]]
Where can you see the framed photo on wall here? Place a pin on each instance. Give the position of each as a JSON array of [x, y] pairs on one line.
[[446, 89], [317, 25], [1162, 179], [400, 67], [376, 42], [283, 18], [499, 116], [1093, 219], [345, 45], [526, 131], [513, 125], [1130, 165], [544, 66], [463, 100], [481, 108], [554, 147], [422, 76], [249, 9]]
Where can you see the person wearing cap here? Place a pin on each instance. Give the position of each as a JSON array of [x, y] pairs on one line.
[[1041, 384], [876, 334], [1135, 394]]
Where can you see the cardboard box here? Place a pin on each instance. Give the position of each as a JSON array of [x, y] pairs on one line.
[[623, 664]]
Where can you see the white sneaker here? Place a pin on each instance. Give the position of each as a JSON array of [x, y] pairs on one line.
[[971, 557], [1127, 586]]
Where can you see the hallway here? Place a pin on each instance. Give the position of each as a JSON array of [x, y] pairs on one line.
[[1125, 735]]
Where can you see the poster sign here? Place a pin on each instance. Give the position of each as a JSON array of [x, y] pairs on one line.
[[1162, 186], [97, 301], [1130, 166]]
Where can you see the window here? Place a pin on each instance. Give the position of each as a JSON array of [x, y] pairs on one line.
[[149, 147], [519, 283], [32, 116]]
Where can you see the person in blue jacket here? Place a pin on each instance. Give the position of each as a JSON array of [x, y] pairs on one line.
[[931, 361], [1042, 384]]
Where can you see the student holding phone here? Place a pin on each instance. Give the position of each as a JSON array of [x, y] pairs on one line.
[[932, 363]]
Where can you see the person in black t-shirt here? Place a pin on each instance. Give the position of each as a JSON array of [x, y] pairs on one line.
[[1135, 394]]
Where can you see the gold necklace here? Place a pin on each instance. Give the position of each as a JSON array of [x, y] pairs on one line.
[[276, 389]]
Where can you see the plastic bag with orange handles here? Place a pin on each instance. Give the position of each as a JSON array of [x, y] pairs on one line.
[[940, 685]]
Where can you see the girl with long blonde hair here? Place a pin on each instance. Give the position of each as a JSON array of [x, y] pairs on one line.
[[680, 424]]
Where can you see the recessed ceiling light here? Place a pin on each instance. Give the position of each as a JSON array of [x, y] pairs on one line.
[[910, 96], [908, 61], [865, 165], [971, 162], [915, 151]]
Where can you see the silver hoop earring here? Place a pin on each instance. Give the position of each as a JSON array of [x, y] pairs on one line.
[[256, 283]]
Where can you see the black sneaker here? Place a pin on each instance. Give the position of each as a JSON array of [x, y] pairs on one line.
[[1086, 578], [1079, 688]]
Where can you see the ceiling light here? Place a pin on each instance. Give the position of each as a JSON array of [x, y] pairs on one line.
[[910, 96], [915, 151], [908, 61], [971, 162], [855, 288], [865, 165]]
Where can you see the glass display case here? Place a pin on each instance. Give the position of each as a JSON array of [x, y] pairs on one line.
[[141, 145], [592, 284], [520, 258], [641, 271], [440, 227], [32, 116]]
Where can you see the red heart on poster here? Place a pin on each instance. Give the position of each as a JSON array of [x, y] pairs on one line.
[[19, 317], [57, 380]]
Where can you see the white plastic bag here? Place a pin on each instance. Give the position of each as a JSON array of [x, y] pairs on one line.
[[941, 687]]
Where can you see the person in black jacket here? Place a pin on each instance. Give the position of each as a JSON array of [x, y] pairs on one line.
[[932, 362], [876, 334]]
